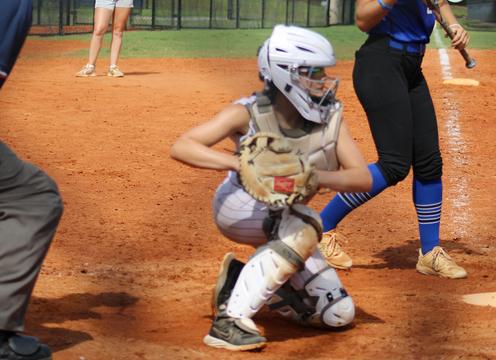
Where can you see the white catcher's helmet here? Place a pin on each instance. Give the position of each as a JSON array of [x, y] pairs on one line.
[[294, 60]]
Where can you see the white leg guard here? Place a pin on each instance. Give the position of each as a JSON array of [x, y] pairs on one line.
[[314, 297], [273, 264]]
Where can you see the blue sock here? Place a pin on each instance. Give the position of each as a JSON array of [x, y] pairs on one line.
[[428, 199], [344, 203]]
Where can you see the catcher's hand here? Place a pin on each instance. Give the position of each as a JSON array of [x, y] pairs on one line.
[[272, 172]]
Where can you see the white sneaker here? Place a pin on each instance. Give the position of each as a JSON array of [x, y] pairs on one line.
[[86, 71], [114, 71]]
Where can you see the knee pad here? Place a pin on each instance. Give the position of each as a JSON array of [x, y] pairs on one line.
[[300, 229], [323, 302], [273, 264], [334, 307], [298, 226]]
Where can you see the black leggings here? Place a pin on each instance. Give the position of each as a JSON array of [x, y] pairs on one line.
[[392, 89]]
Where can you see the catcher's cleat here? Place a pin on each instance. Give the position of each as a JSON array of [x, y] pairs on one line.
[[87, 71], [114, 71], [20, 347], [228, 275], [330, 248], [438, 262], [234, 334]]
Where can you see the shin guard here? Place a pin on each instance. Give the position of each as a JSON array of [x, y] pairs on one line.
[[298, 233]]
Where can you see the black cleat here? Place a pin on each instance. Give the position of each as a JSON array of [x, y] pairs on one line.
[[21, 347]]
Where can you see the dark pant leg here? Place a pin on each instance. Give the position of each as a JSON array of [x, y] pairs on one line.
[[30, 210], [427, 161], [382, 88]]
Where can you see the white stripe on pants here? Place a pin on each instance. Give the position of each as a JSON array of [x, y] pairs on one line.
[[240, 218]]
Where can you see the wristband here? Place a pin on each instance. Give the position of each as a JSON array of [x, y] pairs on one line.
[[385, 6]]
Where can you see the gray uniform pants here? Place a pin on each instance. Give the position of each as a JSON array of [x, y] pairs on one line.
[[30, 210]]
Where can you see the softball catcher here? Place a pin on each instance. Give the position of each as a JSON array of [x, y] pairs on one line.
[[299, 118]]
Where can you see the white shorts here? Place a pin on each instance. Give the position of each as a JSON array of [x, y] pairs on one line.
[[111, 4]]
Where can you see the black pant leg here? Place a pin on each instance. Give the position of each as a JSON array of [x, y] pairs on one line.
[[427, 160], [382, 88]]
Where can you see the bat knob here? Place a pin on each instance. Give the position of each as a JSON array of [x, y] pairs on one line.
[[470, 64]]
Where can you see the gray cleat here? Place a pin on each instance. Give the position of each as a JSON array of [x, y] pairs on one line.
[[230, 269], [234, 334]]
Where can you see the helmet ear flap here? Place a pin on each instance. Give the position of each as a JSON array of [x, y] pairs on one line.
[[260, 75], [264, 73]]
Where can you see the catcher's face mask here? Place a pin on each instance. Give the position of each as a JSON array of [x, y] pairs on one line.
[[316, 83]]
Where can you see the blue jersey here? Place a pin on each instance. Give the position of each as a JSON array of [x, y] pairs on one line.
[[15, 20], [408, 21]]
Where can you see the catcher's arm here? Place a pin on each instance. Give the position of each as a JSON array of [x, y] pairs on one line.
[[353, 176], [458, 35], [195, 146]]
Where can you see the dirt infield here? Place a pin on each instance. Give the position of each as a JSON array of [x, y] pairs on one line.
[[130, 271]]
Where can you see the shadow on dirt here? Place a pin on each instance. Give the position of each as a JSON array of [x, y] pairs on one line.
[[131, 73], [405, 256], [71, 307], [363, 317]]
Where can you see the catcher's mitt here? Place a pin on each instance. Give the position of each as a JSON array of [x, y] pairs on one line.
[[272, 172]]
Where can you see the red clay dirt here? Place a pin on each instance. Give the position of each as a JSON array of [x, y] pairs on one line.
[[130, 272]]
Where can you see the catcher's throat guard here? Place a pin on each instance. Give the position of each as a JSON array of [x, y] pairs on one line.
[[273, 172]]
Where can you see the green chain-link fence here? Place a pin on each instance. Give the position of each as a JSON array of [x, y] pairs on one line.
[[75, 16]]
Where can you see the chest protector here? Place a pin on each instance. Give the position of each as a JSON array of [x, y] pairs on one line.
[[318, 141]]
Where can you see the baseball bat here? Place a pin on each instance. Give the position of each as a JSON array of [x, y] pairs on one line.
[[434, 6]]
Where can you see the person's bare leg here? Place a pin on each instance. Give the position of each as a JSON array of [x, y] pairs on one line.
[[102, 18], [121, 14]]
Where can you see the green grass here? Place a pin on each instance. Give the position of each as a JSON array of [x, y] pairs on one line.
[[482, 35], [482, 39], [478, 39], [212, 43], [186, 43]]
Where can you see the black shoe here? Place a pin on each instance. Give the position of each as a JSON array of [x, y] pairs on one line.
[[20, 347], [230, 269], [234, 334]]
